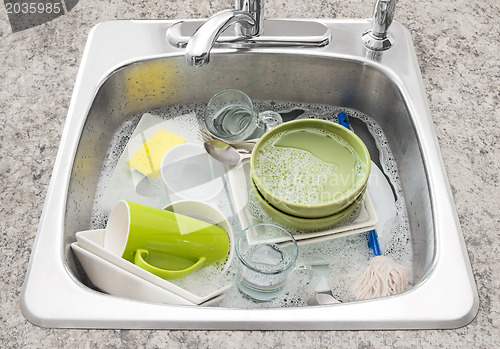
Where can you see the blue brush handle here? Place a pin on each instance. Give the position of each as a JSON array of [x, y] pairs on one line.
[[343, 120], [372, 234], [373, 243]]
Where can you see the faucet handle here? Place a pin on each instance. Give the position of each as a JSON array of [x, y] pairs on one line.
[[254, 8], [377, 38]]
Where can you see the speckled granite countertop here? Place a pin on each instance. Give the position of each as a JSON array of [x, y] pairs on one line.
[[457, 44]]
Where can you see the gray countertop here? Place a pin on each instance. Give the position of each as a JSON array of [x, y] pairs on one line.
[[457, 45]]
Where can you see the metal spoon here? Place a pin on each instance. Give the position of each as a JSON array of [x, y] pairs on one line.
[[205, 136], [225, 153]]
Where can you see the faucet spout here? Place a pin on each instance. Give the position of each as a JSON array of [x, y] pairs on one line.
[[202, 41]]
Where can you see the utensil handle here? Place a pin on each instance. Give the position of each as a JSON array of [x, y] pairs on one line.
[[343, 120], [247, 145], [373, 242]]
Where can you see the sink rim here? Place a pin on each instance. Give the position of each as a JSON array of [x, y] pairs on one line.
[[36, 289]]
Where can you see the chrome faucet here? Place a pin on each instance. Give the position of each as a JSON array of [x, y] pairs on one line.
[[377, 37], [248, 21], [248, 18], [199, 46]]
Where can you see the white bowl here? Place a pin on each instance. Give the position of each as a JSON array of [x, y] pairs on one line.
[[190, 173]]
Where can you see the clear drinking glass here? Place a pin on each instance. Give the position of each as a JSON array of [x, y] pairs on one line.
[[266, 252], [230, 115]]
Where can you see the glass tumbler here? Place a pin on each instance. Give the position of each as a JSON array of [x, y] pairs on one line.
[[266, 252], [230, 115]]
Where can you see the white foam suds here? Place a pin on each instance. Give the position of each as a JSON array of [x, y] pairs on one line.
[[347, 257]]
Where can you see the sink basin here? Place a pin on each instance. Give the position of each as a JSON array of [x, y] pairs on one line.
[[129, 68]]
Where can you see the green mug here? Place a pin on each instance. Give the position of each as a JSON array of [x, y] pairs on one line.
[[167, 244]]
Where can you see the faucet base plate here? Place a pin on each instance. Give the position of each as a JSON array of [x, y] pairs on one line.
[[276, 32]]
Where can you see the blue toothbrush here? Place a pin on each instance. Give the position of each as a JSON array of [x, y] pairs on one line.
[[384, 276]]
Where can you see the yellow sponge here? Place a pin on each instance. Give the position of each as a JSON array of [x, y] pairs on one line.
[[147, 159]]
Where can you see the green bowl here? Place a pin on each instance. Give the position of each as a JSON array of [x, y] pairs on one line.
[[300, 223], [323, 146]]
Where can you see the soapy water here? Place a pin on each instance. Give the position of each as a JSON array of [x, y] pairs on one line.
[[346, 256]]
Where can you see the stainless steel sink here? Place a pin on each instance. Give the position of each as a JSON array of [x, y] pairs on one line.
[[387, 86]]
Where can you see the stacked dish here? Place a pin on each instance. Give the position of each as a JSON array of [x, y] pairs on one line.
[[310, 173], [117, 276]]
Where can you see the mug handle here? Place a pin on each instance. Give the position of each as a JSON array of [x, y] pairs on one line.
[[166, 274]]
